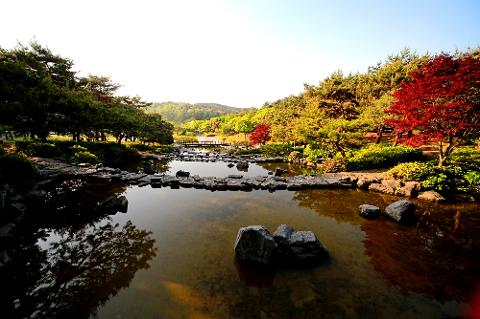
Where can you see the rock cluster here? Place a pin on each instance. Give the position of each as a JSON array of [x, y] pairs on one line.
[[401, 211], [285, 247]]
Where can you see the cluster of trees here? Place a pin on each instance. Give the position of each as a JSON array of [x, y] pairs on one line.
[[180, 112], [40, 94], [421, 98]]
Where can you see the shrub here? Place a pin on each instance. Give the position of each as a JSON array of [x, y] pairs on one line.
[[407, 171], [313, 154], [467, 158], [378, 156], [185, 139], [273, 150], [428, 174], [472, 178], [34, 148], [85, 157], [164, 149], [334, 165], [142, 147], [78, 148], [16, 171]]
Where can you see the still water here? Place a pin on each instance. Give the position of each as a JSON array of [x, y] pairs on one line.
[[221, 169], [171, 256]]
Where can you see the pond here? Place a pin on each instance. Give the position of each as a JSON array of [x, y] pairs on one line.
[[221, 169], [171, 256]]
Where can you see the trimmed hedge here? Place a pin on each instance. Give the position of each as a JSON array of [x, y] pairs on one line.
[[429, 175], [109, 153], [16, 171], [380, 156]]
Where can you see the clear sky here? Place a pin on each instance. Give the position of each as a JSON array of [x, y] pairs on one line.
[[240, 53]]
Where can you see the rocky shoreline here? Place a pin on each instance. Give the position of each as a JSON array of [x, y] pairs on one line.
[[376, 182]]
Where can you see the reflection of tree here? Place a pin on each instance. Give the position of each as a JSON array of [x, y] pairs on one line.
[[340, 204], [82, 270], [73, 202], [438, 257]]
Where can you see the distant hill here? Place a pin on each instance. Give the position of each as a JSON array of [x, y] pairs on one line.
[[180, 112]]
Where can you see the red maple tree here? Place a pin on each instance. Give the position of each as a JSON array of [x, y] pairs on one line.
[[260, 135], [440, 103]]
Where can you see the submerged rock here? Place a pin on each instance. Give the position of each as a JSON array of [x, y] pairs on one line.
[[256, 244], [369, 211], [402, 211]]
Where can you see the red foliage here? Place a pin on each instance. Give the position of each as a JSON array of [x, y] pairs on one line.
[[441, 102], [260, 135]]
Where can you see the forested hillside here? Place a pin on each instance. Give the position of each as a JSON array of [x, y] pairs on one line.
[[180, 112]]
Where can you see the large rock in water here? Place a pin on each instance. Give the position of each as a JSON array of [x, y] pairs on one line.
[[369, 211], [255, 243], [298, 247], [306, 248], [402, 211], [282, 237], [242, 165]]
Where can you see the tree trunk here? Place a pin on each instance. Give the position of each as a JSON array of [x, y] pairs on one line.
[[379, 134]]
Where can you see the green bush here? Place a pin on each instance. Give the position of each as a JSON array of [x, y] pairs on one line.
[[407, 171], [16, 171], [274, 150], [313, 154], [185, 139], [472, 178], [78, 148], [85, 157], [428, 174], [379, 156], [142, 147], [467, 158], [164, 149], [34, 148], [334, 165]]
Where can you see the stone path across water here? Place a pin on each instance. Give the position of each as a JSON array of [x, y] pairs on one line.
[[371, 181]]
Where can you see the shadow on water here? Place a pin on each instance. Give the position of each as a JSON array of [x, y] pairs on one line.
[[438, 257], [76, 260]]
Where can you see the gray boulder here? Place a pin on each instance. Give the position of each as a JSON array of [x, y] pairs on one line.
[[402, 211], [369, 211], [255, 244], [279, 172], [242, 165], [282, 238], [306, 248]]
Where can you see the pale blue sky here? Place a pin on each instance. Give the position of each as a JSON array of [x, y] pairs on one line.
[[240, 53]]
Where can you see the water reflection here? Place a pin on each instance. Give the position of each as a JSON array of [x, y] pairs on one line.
[[254, 275], [218, 168], [79, 271], [69, 257], [438, 257]]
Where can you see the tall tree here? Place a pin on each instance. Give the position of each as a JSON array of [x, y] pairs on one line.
[[440, 104]]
